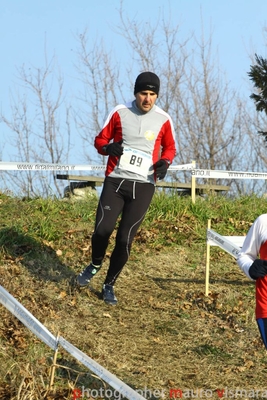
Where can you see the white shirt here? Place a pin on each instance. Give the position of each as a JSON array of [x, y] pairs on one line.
[[256, 236]]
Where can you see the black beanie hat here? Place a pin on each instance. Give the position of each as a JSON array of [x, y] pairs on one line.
[[147, 81]]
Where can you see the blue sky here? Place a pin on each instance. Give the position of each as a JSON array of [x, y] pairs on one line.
[[25, 27]]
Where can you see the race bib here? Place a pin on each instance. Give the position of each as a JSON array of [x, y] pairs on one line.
[[136, 161]]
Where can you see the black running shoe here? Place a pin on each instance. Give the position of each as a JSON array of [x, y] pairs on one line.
[[87, 274], [109, 295]]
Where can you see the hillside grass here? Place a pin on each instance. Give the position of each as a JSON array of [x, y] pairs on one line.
[[164, 334]]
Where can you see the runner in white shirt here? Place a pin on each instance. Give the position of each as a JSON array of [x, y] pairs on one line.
[[253, 261]]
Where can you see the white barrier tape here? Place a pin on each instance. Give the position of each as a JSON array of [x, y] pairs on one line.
[[17, 309], [197, 173], [208, 173], [181, 167], [231, 244], [25, 166], [100, 371], [27, 318]]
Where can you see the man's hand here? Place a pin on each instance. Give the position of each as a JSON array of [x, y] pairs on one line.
[[160, 168], [258, 269], [114, 149]]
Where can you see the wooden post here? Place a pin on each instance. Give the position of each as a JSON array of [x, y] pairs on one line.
[[207, 272], [193, 185], [53, 368]]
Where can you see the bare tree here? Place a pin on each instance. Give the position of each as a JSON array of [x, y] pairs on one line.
[[214, 125], [101, 88], [36, 132], [208, 115]]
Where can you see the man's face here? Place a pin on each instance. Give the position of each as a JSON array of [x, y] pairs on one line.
[[145, 100]]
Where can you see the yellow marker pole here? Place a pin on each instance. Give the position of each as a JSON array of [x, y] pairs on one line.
[[193, 185], [207, 272]]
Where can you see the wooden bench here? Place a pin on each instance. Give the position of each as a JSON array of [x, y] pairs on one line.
[[199, 188], [182, 188]]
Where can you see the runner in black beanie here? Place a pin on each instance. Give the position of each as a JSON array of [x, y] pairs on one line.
[[139, 140]]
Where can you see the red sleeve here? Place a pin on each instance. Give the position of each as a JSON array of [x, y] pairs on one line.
[[111, 130], [166, 143]]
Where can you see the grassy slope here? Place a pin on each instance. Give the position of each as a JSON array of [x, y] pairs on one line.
[[163, 334]]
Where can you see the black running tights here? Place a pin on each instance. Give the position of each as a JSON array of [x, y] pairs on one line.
[[131, 200]]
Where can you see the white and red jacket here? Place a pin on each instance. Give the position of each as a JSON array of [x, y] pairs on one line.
[[151, 133], [254, 246]]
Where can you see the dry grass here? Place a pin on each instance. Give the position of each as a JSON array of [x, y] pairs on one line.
[[163, 334]]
